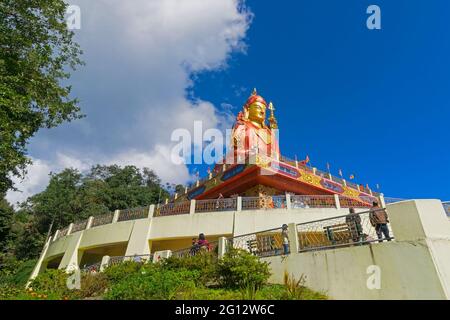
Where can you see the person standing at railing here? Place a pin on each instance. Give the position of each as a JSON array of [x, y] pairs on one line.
[[353, 221], [379, 220], [285, 238]]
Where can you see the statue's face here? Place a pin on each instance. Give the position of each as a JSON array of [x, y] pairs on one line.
[[257, 112]]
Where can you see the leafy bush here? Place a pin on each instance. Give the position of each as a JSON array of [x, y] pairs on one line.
[[93, 285], [15, 272], [239, 269], [201, 293], [117, 272], [205, 263], [53, 283], [271, 292], [8, 292], [23, 272], [160, 284]]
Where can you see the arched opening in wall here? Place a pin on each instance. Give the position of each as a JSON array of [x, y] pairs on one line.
[[90, 256], [53, 262], [175, 244]]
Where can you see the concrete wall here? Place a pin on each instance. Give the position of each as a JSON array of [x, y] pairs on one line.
[[414, 266], [406, 271]]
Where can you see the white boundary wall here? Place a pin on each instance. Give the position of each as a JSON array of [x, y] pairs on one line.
[[414, 266]]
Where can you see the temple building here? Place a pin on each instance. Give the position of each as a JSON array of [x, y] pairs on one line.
[[255, 166]]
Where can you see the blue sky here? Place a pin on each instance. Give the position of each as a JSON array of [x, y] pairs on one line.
[[374, 103]]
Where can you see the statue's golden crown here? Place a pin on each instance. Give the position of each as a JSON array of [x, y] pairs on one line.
[[255, 98]]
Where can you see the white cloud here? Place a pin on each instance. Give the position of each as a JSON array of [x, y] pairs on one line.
[[140, 57], [159, 160], [36, 179]]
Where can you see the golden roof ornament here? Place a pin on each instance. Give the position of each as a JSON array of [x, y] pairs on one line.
[[272, 120]]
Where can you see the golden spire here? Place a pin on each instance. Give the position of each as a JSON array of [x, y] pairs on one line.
[[272, 119], [254, 93]]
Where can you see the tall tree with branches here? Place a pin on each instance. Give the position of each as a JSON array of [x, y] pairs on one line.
[[37, 54]]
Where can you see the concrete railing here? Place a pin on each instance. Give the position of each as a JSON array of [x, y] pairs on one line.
[[175, 208], [133, 214], [211, 205], [102, 219], [287, 201], [262, 243], [79, 226]]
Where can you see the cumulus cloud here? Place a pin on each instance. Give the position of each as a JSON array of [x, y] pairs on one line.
[[140, 58], [36, 178]]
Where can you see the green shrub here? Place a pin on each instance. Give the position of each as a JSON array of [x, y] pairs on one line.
[[211, 294], [23, 272], [203, 262], [271, 292], [53, 283], [159, 284], [249, 291], [117, 272], [9, 292], [239, 269], [93, 285]]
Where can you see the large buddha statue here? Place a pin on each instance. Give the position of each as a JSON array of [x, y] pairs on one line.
[[250, 133]]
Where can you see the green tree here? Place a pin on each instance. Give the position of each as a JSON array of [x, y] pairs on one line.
[[37, 52], [6, 223], [71, 195], [29, 243], [58, 203]]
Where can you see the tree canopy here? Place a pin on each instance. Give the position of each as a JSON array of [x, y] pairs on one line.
[[71, 195], [36, 53]]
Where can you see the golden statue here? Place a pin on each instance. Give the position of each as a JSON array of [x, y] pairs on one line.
[[250, 132]]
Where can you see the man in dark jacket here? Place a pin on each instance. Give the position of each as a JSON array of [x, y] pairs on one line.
[[379, 219], [353, 221]]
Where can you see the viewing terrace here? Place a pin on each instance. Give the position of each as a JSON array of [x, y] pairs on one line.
[[287, 201]]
